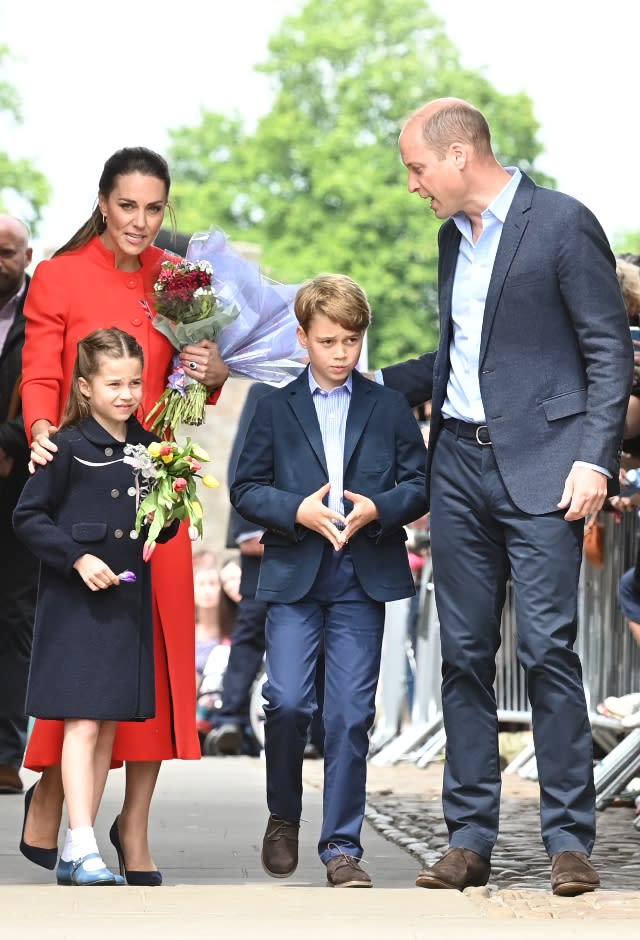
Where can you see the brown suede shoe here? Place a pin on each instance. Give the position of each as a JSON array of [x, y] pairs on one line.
[[572, 873], [458, 869], [280, 847], [10, 781], [343, 871]]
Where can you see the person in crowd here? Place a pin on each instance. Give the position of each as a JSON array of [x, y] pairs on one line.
[[206, 592], [629, 280], [332, 468], [19, 568], [232, 734], [104, 276], [529, 388], [72, 514], [216, 600]]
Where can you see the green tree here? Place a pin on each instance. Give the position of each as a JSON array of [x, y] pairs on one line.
[[319, 182], [19, 177], [627, 242]]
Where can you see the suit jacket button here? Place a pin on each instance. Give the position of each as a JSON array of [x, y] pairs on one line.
[[133, 534], [115, 493], [131, 491], [118, 533], [108, 451]]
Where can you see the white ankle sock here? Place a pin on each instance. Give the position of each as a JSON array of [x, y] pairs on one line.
[[80, 842]]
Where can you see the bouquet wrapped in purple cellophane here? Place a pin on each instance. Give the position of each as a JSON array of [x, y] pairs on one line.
[[260, 343]]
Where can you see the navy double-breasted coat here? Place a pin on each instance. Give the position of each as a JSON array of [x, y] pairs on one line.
[[92, 653]]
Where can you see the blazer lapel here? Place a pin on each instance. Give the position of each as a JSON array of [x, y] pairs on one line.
[[512, 232], [360, 408], [301, 403]]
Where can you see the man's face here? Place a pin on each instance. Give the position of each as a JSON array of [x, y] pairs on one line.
[[429, 175], [15, 258]]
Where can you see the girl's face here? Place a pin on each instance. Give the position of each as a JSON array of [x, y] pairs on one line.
[[206, 587], [134, 212], [114, 393], [230, 581]]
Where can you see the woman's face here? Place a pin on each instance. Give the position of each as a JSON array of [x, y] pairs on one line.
[[134, 212], [206, 587]]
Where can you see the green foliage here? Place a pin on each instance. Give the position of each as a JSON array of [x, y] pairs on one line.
[[319, 183], [19, 177], [627, 243]]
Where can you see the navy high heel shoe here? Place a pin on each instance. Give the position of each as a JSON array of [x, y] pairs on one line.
[[148, 879], [46, 858]]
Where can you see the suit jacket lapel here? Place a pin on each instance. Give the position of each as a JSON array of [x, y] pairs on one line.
[[360, 408], [512, 232], [301, 403]]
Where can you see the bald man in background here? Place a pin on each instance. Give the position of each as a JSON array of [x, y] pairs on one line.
[[18, 567]]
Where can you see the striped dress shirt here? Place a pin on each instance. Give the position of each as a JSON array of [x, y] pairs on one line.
[[331, 408]]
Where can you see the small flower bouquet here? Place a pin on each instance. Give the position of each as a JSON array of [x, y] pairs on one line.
[[218, 295], [165, 477], [187, 311]]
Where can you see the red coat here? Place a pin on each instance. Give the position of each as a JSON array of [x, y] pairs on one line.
[[69, 297]]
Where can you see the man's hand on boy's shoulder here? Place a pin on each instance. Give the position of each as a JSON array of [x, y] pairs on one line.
[[364, 511], [313, 514]]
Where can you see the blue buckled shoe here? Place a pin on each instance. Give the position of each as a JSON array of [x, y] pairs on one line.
[[75, 873]]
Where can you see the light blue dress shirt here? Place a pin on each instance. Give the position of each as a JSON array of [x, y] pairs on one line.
[[331, 408], [470, 288]]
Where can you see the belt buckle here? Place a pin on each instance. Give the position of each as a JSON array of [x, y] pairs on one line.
[[482, 427]]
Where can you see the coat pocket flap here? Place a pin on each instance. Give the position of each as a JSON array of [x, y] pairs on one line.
[[562, 406], [88, 531]]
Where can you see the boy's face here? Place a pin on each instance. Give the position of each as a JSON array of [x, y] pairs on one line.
[[333, 350]]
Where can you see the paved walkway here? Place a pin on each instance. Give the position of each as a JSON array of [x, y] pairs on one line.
[[208, 820]]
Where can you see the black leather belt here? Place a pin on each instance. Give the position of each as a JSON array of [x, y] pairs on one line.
[[471, 432]]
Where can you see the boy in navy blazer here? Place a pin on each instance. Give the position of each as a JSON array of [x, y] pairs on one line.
[[332, 469]]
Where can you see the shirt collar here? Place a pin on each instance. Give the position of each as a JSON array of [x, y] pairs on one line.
[[502, 202], [8, 310], [314, 387]]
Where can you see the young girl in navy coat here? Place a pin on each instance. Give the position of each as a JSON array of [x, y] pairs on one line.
[[92, 656]]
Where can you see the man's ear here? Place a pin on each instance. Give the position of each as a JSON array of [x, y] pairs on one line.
[[458, 152]]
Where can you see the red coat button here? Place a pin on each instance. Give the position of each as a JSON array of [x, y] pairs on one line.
[[132, 282], [136, 321]]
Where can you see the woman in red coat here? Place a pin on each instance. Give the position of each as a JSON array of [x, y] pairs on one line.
[[104, 277]]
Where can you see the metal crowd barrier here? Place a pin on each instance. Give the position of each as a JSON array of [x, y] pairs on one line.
[[610, 661]]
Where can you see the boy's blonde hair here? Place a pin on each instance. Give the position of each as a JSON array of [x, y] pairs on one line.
[[337, 297]]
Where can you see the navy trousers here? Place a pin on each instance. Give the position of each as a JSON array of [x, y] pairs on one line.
[[479, 538], [338, 612]]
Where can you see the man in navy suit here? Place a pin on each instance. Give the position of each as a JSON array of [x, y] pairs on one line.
[[529, 388], [332, 469]]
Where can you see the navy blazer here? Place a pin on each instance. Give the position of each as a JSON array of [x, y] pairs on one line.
[[283, 461], [556, 358]]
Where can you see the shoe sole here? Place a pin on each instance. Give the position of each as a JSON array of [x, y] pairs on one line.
[[572, 888], [351, 884], [431, 882]]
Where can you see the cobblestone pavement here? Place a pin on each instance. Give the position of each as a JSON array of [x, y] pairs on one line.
[[404, 805]]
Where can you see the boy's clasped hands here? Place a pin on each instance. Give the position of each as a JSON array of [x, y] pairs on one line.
[[337, 529]]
